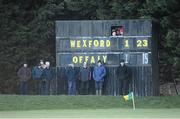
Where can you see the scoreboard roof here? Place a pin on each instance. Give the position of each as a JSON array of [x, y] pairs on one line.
[[90, 28]]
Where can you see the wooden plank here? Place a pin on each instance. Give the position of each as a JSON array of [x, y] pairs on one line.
[[144, 76], [101, 27]]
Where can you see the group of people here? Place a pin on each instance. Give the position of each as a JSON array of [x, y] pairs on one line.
[[84, 76], [117, 31], [98, 74], [41, 74]]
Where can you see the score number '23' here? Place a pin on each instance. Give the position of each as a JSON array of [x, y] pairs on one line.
[[139, 43]]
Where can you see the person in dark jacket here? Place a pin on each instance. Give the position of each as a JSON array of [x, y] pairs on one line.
[[85, 76], [98, 75], [123, 78], [24, 73], [47, 77], [37, 77], [71, 76]]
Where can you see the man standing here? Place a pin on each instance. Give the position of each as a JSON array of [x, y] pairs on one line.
[[85, 76], [71, 76], [24, 73], [47, 78], [123, 78], [37, 77], [98, 75]]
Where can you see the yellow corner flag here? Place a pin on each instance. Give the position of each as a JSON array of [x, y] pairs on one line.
[[130, 96]]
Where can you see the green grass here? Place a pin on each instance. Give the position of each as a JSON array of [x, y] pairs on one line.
[[15, 106], [93, 113], [16, 102]]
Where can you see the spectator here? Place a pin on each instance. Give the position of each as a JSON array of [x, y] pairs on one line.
[[98, 75], [37, 77], [42, 64], [113, 32], [123, 78], [71, 76], [24, 73], [85, 76], [47, 78], [118, 33], [121, 30]]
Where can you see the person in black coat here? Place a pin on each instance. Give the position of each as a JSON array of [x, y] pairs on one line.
[[123, 81], [85, 76], [47, 77], [24, 73], [71, 74]]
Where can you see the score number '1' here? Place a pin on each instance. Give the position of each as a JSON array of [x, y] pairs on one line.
[[139, 43]]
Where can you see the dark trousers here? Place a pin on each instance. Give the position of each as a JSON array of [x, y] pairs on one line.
[[98, 85], [23, 87], [123, 87], [45, 87], [84, 87], [37, 86], [91, 89], [71, 87]]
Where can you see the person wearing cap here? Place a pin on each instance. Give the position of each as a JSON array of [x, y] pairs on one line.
[[99, 73], [24, 73], [71, 75], [85, 76], [123, 78], [47, 77]]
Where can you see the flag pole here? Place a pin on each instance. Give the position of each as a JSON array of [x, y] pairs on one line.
[[133, 101]]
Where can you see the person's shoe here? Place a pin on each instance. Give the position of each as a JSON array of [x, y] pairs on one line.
[[97, 92], [100, 92]]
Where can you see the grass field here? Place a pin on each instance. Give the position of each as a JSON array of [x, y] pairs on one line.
[[96, 113], [14, 106]]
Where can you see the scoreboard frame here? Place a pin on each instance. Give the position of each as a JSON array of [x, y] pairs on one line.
[[91, 40]]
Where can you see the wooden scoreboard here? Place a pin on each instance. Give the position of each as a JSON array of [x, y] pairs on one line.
[[135, 41]]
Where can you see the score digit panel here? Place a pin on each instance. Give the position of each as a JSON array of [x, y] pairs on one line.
[[135, 50], [136, 43], [104, 44], [139, 43]]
